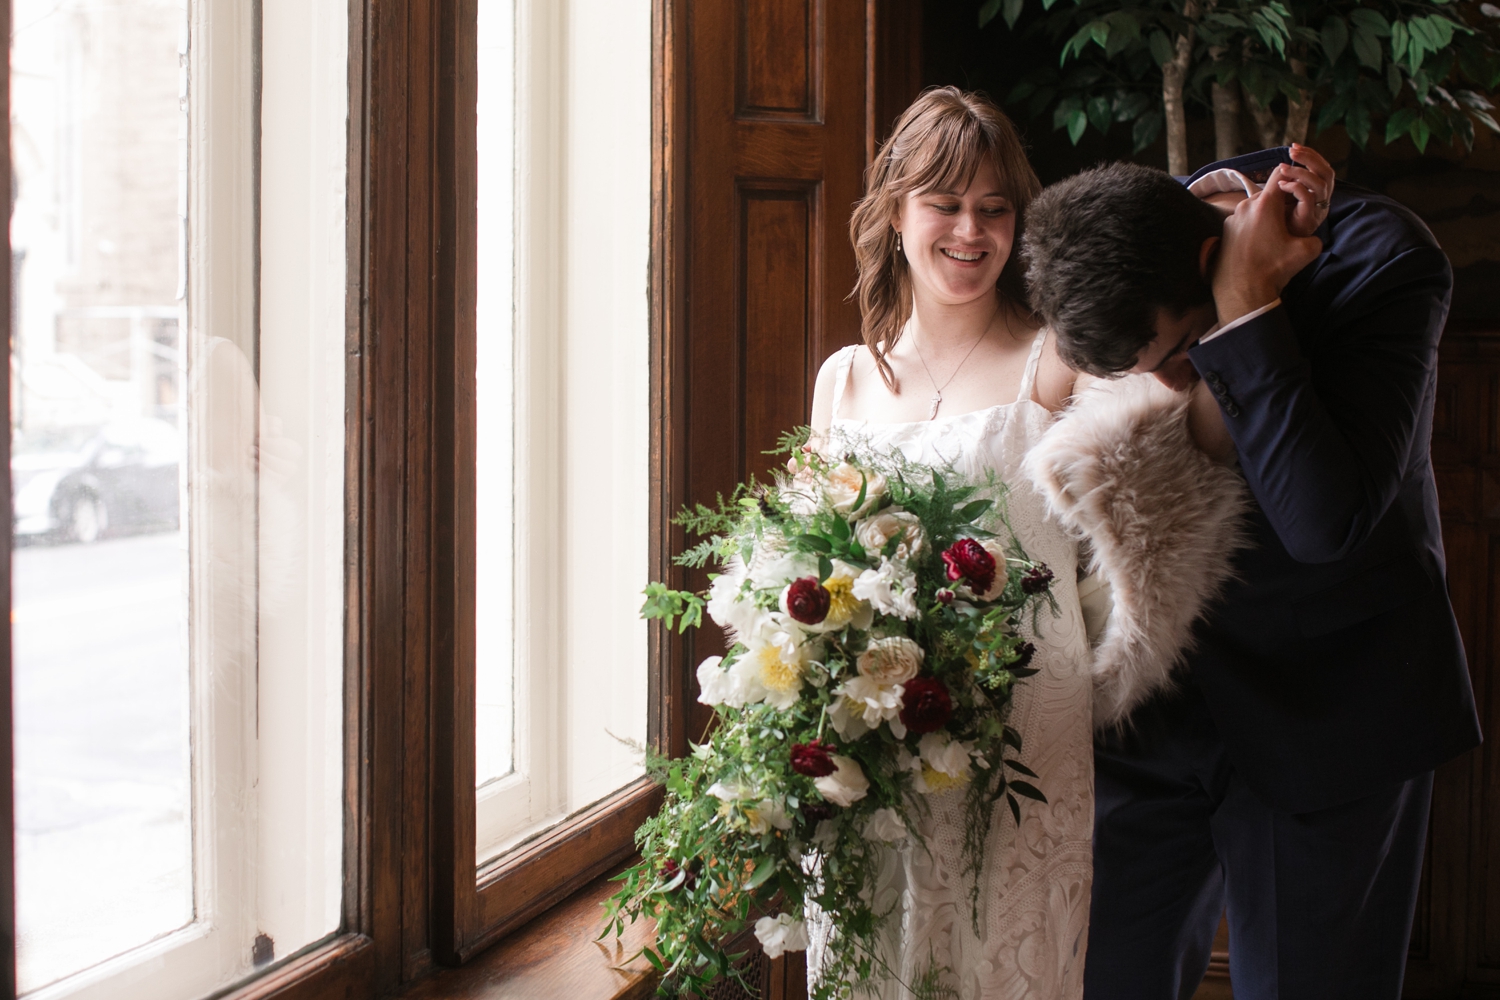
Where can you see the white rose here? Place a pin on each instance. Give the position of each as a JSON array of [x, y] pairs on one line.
[[873, 702], [775, 569], [730, 791], [846, 785], [844, 483], [781, 933], [944, 754], [766, 814], [876, 531], [885, 824], [892, 588], [825, 835], [892, 660], [716, 685], [733, 611]]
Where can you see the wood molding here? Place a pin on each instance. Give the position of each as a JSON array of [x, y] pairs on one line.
[[527, 881], [341, 969]]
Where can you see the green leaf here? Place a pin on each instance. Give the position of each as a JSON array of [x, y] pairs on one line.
[[1367, 47], [1487, 120], [1371, 20], [974, 508], [815, 542], [1020, 92], [1420, 132], [825, 568], [1099, 31], [1015, 808], [1400, 39], [1398, 123], [1077, 122], [1099, 116], [1016, 765], [1161, 48], [763, 871], [1357, 124], [1065, 109], [841, 527], [1146, 129], [1392, 79], [1012, 12], [988, 11], [1028, 790], [1335, 37]]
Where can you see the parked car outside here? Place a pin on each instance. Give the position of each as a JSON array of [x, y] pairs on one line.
[[80, 483]]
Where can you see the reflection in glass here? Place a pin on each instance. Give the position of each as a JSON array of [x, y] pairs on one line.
[[104, 856], [495, 374]]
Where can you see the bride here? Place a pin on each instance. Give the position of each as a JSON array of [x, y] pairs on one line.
[[955, 369]]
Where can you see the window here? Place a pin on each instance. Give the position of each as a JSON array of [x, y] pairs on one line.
[[178, 258], [563, 233]]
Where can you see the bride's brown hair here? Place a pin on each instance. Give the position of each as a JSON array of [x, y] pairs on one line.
[[938, 142]]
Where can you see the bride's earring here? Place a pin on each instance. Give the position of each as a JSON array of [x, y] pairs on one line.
[[898, 241]]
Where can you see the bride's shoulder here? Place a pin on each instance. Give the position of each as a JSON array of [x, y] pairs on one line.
[[825, 388], [1055, 381]]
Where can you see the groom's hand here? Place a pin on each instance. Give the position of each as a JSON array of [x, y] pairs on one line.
[[1259, 254]]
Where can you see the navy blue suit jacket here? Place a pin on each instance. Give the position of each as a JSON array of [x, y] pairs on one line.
[[1333, 665]]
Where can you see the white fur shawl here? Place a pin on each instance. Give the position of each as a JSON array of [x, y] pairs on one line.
[[1119, 469]]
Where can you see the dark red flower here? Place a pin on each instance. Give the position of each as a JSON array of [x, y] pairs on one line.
[[807, 600], [944, 596], [967, 560], [1036, 580], [813, 759], [1025, 651], [817, 812], [925, 705]]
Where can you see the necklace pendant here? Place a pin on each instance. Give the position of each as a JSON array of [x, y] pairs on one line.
[[936, 402]]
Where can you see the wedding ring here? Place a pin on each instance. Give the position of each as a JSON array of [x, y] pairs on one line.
[[1320, 204]]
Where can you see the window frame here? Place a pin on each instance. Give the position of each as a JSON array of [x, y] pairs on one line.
[[412, 898], [475, 908]]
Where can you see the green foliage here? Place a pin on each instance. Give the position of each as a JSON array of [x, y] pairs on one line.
[[1423, 68], [741, 833]]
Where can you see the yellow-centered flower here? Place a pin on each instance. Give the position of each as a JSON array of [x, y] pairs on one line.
[[777, 672]]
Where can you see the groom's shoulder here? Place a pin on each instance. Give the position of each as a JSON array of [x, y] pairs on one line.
[[1373, 224]]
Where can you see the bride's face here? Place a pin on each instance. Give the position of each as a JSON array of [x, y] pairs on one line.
[[957, 242]]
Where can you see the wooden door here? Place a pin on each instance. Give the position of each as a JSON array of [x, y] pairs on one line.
[[776, 106]]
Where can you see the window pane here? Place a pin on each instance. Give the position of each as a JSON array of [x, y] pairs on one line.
[[104, 857], [563, 377], [495, 375], [179, 514]]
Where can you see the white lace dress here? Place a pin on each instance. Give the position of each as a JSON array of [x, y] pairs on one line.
[[1034, 892]]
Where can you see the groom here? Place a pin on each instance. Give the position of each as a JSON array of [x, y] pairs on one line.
[[1290, 773]]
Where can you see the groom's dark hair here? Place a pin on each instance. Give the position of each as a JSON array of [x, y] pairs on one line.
[[1105, 249]]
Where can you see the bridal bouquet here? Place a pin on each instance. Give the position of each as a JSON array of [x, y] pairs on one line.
[[871, 607]]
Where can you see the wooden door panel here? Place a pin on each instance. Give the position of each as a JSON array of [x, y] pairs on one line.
[[776, 109], [775, 236], [778, 57]]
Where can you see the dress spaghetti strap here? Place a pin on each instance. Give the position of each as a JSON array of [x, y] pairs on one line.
[[841, 376], [1028, 380]]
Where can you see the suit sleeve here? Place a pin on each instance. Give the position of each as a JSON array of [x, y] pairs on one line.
[[1326, 433]]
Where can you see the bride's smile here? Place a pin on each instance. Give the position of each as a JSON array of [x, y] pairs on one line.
[[957, 241]]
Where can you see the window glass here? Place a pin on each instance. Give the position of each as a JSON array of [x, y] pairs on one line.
[[103, 807], [178, 457], [563, 212]]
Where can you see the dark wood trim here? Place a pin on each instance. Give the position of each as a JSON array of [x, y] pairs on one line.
[[538, 875], [340, 968], [454, 901]]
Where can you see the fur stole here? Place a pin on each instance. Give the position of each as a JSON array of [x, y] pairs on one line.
[[1121, 472]]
